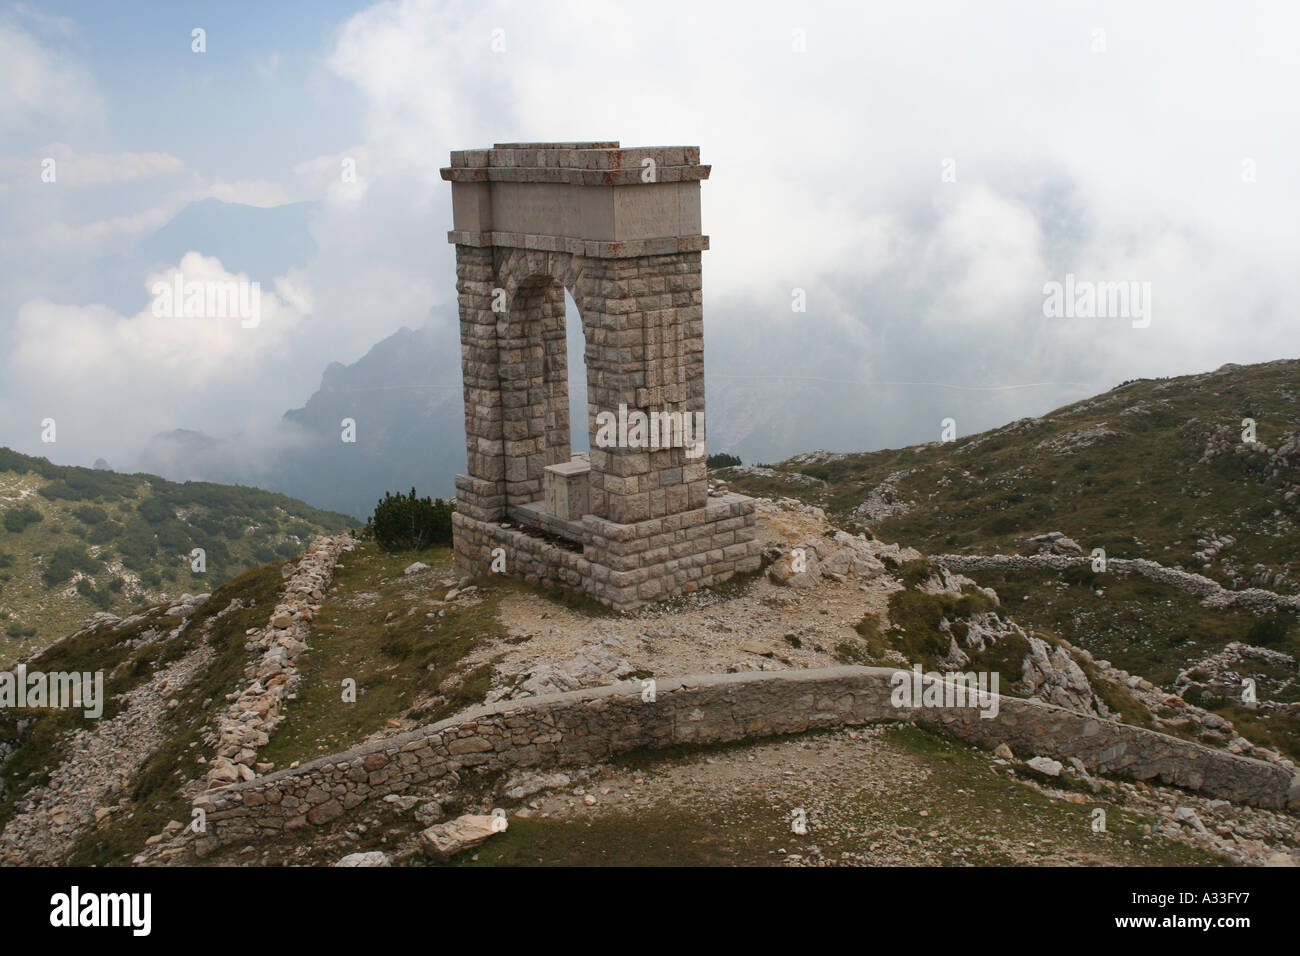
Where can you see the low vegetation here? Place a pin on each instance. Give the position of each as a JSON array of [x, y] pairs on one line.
[[81, 540], [408, 523]]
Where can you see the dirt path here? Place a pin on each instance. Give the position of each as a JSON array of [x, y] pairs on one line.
[[100, 764], [757, 626]]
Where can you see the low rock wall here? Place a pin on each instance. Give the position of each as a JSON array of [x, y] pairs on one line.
[[586, 726]]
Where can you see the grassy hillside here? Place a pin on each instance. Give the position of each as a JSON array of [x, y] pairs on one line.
[[1153, 469], [74, 541], [1144, 471]]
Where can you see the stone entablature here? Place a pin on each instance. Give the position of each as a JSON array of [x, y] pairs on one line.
[[620, 230], [574, 198]]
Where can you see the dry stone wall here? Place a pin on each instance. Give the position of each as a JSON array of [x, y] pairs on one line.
[[254, 713], [1211, 592], [586, 726]]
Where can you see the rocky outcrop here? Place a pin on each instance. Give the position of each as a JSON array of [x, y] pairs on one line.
[[595, 664], [1054, 542], [1054, 676], [794, 477], [1067, 443], [839, 557], [1222, 675], [885, 500]]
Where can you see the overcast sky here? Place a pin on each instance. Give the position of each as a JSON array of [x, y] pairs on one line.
[[920, 170]]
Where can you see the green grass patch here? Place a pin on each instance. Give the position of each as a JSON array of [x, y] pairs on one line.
[[374, 628]]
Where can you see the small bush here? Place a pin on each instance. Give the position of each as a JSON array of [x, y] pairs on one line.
[[91, 514], [155, 511], [64, 561], [408, 523], [1270, 629], [104, 533], [17, 520]]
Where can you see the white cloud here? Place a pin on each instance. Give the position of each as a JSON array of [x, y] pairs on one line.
[[90, 169], [102, 234], [826, 176], [42, 91], [134, 375], [337, 177], [250, 192], [827, 163], [983, 261]]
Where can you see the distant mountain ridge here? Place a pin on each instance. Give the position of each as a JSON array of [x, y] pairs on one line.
[[405, 399]]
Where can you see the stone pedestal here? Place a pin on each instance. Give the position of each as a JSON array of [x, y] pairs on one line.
[[568, 489]]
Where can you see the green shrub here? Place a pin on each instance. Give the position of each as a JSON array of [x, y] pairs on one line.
[[91, 514], [104, 533], [1270, 629], [64, 561], [722, 460], [408, 523], [17, 520], [154, 510]]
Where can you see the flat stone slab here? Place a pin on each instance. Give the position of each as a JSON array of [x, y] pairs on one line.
[[442, 841]]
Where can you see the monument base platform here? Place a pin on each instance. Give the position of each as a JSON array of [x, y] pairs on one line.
[[622, 566]]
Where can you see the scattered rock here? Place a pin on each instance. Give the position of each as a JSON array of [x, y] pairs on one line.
[[442, 841], [1187, 815], [1045, 765]]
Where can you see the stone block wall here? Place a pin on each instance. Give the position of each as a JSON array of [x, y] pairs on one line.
[[622, 565], [583, 727]]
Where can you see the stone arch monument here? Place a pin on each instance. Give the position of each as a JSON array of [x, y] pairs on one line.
[[620, 230]]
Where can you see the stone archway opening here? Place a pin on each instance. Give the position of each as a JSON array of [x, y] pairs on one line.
[[576, 346], [545, 411]]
